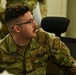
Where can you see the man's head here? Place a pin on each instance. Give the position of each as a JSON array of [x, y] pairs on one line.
[[15, 11], [20, 21]]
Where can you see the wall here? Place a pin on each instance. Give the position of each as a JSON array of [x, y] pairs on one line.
[[56, 7], [71, 14]]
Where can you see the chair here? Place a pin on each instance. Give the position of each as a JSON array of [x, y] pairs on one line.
[[55, 25], [58, 25]]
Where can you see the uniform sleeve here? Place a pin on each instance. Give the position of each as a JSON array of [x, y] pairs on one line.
[[0, 61], [2, 64], [1, 12], [59, 53], [61, 56]]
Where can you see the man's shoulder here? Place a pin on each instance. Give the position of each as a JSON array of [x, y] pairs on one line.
[[43, 36], [6, 43]]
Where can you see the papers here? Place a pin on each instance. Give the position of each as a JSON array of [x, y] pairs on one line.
[[37, 14], [5, 73]]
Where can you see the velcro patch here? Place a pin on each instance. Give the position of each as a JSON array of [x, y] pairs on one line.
[[56, 43]]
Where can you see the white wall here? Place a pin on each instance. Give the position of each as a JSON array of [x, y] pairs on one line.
[[56, 7]]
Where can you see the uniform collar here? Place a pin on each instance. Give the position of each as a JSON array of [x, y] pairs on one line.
[[11, 44]]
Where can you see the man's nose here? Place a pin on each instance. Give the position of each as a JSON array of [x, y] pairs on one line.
[[35, 24]]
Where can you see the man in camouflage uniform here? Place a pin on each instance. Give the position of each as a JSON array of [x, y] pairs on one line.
[[26, 50], [30, 3]]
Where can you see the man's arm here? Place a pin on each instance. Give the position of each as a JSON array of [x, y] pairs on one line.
[[61, 56]]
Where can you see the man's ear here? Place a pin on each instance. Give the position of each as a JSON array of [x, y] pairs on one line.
[[16, 28]]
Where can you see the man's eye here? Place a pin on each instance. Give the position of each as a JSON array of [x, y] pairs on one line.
[[29, 22]]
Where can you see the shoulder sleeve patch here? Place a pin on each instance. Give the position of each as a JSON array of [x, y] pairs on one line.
[[56, 43]]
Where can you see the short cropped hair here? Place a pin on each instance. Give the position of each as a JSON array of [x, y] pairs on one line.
[[15, 11]]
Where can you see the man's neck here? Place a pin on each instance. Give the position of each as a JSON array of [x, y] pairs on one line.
[[21, 42]]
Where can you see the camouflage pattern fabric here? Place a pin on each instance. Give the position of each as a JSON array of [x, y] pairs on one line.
[[43, 7], [32, 58], [1, 15], [3, 30]]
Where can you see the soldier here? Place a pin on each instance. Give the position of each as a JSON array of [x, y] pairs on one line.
[[24, 52]]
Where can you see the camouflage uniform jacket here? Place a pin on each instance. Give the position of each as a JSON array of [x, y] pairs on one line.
[[34, 59]]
